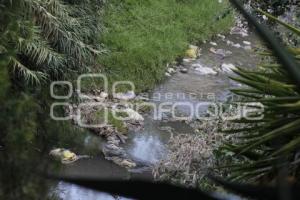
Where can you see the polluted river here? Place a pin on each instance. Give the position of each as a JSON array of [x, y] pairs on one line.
[[204, 79]]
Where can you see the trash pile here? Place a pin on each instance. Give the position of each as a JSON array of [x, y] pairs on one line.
[[103, 120]]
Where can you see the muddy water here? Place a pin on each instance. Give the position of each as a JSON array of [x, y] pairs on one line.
[[149, 145]]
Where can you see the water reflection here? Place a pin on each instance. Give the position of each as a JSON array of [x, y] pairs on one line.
[[74, 192], [147, 148]]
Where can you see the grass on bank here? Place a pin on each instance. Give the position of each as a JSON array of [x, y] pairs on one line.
[[142, 36]]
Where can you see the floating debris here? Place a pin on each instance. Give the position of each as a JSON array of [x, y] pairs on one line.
[[230, 43], [125, 96], [213, 43], [247, 43], [247, 48], [64, 155], [237, 45], [265, 17], [192, 52], [203, 70], [227, 68], [221, 36], [187, 61], [103, 95], [133, 115], [127, 163], [171, 70], [183, 70], [221, 52]]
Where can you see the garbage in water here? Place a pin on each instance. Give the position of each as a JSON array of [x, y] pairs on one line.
[[192, 52], [230, 43], [133, 115], [183, 70], [221, 36], [103, 95], [171, 70], [213, 43], [125, 96], [247, 48], [247, 43], [220, 52], [203, 70], [227, 68], [63, 155]]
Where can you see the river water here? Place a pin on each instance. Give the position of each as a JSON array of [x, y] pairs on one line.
[[149, 145]]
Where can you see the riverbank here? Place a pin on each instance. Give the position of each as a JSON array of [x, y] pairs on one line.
[[155, 145], [143, 37]]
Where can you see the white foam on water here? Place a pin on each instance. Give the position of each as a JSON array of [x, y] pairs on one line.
[[148, 148]]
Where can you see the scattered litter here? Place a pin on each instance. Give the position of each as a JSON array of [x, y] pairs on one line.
[[167, 74], [192, 52], [227, 67], [220, 52], [103, 95], [230, 43], [133, 115], [213, 43], [127, 163], [184, 70], [239, 31], [265, 17], [142, 98], [247, 43], [237, 45], [203, 70], [171, 70], [247, 47], [221, 36], [125, 96]]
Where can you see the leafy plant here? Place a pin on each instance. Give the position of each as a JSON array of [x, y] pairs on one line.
[[36, 44], [54, 37], [272, 144]]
